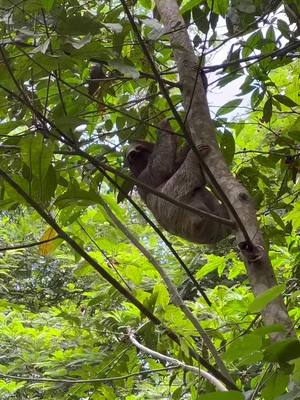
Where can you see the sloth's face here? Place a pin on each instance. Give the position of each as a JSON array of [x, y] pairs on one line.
[[138, 157]]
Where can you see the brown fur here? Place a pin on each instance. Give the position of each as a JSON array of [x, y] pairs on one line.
[[178, 175]]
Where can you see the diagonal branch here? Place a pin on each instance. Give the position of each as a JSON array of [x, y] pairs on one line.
[[178, 363], [260, 271], [171, 288]]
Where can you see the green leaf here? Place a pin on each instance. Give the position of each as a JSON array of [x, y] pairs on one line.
[[294, 135], [265, 298], [146, 4], [163, 298], [76, 196], [126, 187], [200, 19], [267, 111], [284, 351], [294, 216], [284, 28], [79, 25], [227, 144], [278, 220], [285, 100], [219, 6], [228, 107], [244, 348], [292, 395], [252, 43], [92, 50], [37, 154], [187, 5], [47, 4], [7, 127], [276, 385], [213, 263], [266, 330]]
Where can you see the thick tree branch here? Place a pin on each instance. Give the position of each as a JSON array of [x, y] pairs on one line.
[[260, 271]]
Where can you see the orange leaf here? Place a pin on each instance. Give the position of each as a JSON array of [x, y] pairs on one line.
[[50, 242]]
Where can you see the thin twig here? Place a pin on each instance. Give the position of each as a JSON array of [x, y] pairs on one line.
[[27, 245], [93, 380]]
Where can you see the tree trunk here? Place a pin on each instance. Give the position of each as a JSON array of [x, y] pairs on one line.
[[260, 272]]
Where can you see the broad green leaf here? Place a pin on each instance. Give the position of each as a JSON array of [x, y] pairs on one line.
[[243, 348], [213, 263], [266, 330], [284, 28], [187, 5], [294, 216], [146, 4], [219, 6], [37, 154], [10, 387], [7, 127], [93, 50], [278, 220], [79, 24], [284, 351], [252, 43], [261, 301], [201, 19], [163, 297], [295, 134], [292, 395], [275, 386], [228, 107], [76, 196]]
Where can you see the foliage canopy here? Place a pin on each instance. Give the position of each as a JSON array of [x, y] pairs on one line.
[[60, 320]]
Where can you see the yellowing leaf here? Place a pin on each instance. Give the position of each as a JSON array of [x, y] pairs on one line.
[[50, 243]]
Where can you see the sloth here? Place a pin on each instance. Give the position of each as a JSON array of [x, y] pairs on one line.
[[179, 175]]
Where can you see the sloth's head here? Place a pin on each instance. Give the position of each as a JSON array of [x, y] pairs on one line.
[[138, 156]]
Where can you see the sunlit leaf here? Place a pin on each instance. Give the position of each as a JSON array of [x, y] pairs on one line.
[[265, 298]]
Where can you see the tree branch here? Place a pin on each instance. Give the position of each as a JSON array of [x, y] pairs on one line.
[[171, 288], [260, 272], [210, 378]]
